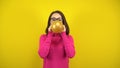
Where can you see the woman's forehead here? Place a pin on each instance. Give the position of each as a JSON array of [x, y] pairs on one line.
[[56, 15]]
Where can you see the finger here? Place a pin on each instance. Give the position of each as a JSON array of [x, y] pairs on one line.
[[50, 26], [49, 29]]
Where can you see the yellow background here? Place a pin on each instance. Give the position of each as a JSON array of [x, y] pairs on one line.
[[94, 24]]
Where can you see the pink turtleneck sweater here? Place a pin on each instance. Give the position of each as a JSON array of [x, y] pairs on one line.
[[56, 49]]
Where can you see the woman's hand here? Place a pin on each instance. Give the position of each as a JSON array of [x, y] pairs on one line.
[[49, 29], [64, 30]]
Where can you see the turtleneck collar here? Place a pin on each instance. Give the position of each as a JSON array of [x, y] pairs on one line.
[[56, 37]]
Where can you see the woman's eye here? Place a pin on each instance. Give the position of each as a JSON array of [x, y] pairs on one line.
[[59, 20], [53, 19]]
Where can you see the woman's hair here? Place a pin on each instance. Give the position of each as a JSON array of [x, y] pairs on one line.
[[63, 20]]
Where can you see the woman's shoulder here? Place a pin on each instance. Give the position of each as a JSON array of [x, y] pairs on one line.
[[70, 37], [43, 36]]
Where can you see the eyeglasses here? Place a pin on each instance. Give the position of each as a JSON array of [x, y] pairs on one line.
[[54, 19]]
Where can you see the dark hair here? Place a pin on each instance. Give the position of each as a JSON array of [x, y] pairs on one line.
[[63, 20]]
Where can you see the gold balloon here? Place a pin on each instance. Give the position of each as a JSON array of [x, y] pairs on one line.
[[57, 27]]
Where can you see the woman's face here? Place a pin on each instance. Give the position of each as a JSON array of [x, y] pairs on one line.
[[55, 16]]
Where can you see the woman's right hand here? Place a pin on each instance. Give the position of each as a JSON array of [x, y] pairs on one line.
[[49, 29]]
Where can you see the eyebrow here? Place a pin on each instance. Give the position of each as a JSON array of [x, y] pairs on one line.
[[55, 17]]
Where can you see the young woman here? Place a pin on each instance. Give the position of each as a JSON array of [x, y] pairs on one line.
[[56, 48]]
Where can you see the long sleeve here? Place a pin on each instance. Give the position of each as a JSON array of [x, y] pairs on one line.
[[44, 45], [68, 44]]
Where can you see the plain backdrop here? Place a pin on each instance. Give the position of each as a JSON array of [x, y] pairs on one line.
[[94, 25]]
